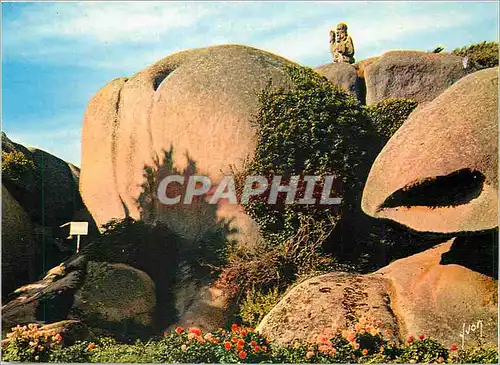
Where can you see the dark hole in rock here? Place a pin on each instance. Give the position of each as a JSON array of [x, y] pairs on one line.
[[457, 188], [478, 252]]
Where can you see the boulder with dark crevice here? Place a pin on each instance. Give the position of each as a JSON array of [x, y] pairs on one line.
[[420, 76], [438, 173], [343, 75], [48, 300]]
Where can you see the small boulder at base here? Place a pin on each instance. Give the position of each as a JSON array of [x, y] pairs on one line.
[[117, 299], [413, 75], [329, 302], [342, 74]]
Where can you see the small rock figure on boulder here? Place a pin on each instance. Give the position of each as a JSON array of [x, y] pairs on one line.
[[341, 45]]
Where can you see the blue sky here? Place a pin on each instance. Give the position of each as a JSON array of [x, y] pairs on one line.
[[55, 56]]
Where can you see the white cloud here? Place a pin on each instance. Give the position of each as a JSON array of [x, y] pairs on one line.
[[55, 136], [368, 33]]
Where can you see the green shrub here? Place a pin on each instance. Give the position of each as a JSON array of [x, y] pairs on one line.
[[28, 344], [421, 351], [314, 128], [480, 55], [481, 355], [390, 114], [365, 344], [257, 304], [15, 164]]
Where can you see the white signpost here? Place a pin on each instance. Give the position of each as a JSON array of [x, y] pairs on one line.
[[77, 229]]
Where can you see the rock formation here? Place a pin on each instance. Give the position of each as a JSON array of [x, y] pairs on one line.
[[411, 74], [36, 199], [198, 102], [342, 74], [18, 244], [116, 298], [438, 173]]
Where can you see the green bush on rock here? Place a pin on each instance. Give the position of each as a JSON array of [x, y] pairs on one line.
[[480, 55], [15, 164], [314, 128], [390, 114]]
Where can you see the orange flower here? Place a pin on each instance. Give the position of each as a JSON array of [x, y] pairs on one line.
[[243, 332], [453, 348], [234, 327], [364, 352], [90, 346], [253, 343], [208, 337], [309, 354], [250, 329], [195, 330], [242, 355], [440, 359], [57, 337], [241, 341], [191, 336], [256, 348], [179, 330], [227, 345], [323, 339], [421, 336], [240, 346], [382, 348], [216, 340], [333, 351], [388, 332], [410, 339]]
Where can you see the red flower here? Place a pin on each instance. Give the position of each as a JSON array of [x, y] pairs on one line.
[[195, 330], [216, 340], [454, 348], [421, 336], [234, 327], [243, 332], [253, 343], [410, 339], [241, 341], [240, 346], [227, 346], [242, 355], [256, 348], [179, 330]]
